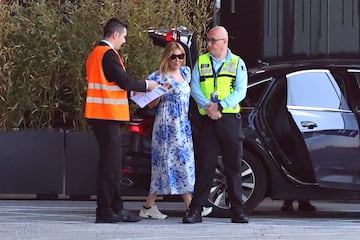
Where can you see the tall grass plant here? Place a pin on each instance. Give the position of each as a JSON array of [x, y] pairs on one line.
[[44, 45]]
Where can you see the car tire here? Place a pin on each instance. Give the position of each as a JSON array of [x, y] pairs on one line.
[[253, 186]]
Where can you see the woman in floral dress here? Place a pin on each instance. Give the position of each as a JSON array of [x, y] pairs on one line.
[[172, 161]]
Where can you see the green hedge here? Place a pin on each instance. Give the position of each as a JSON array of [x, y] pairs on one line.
[[44, 45]]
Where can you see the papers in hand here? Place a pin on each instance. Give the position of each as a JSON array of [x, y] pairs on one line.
[[144, 98]]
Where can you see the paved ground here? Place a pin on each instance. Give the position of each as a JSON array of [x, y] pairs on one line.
[[60, 220]]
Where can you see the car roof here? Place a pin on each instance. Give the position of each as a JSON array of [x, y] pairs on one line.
[[268, 69]]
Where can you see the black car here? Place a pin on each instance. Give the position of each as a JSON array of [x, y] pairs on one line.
[[301, 125]]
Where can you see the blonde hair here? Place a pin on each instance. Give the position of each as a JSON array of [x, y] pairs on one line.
[[168, 51]]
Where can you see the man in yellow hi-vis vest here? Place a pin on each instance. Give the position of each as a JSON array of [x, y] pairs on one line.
[[218, 85], [106, 109]]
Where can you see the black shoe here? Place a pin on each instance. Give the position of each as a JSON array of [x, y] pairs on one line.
[[126, 216], [287, 206], [193, 216], [306, 206], [107, 216], [240, 218]]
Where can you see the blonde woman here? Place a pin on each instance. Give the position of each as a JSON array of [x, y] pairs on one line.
[[172, 160]]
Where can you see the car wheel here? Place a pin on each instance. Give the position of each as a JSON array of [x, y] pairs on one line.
[[253, 186]]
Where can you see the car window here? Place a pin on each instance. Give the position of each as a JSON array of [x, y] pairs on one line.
[[357, 77], [353, 89], [255, 91], [315, 89]]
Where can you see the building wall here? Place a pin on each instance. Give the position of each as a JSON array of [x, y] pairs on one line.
[[291, 29], [242, 19]]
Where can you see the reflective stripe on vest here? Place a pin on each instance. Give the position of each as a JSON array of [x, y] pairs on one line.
[[225, 81], [105, 100]]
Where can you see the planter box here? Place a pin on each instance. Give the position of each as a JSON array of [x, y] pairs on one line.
[[81, 158], [31, 162], [50, 163]]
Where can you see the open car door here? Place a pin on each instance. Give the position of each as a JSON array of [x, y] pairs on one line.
[[318, 105]]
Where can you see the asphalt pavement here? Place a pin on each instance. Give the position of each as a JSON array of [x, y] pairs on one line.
[[67, 220]]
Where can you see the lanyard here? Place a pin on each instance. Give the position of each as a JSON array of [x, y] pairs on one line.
[[215, 73]]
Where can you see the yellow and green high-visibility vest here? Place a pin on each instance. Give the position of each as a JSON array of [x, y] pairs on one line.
[[221, 82]]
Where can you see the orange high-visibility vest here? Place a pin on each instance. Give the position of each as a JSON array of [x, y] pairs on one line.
[[104, 99]]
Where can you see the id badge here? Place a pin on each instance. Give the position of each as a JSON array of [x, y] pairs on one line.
[[214, 97]]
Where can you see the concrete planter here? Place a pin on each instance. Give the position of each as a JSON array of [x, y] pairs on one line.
[[31, 162]]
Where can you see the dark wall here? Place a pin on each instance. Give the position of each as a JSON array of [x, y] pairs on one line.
[[302, 29], [291, 29], [243, 20]]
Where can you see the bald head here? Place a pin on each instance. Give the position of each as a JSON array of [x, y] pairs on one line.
[[219, 32], [217, 39]]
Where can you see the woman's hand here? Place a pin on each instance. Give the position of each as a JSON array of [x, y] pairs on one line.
[[167, 85], [154, 102]]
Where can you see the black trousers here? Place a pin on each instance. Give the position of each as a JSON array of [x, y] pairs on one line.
[[108, 188], [224, 137]]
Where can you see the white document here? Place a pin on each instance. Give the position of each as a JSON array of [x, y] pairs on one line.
[[144, 98]]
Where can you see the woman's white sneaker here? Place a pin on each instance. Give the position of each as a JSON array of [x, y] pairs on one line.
[[152, 213], [206, 211]]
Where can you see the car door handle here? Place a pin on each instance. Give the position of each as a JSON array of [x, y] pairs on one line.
[[357, 109], [308, 124]]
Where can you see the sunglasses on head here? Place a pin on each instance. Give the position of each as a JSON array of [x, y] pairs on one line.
[[179, 56]]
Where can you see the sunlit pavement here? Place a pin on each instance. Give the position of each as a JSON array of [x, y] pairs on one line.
[[64, 219]]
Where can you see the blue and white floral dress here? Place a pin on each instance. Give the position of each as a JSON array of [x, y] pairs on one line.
[[172, 159]]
